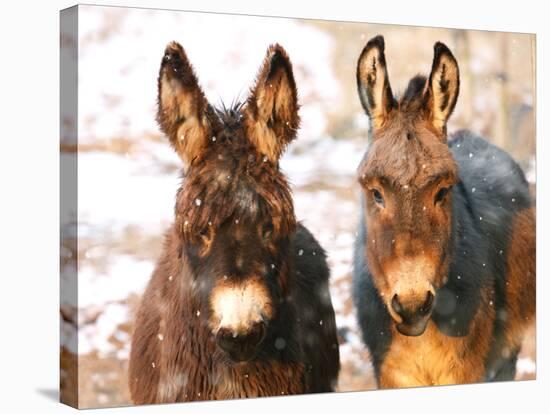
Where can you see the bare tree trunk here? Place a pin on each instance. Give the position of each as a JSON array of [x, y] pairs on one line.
[[502, 126], [462, 41]]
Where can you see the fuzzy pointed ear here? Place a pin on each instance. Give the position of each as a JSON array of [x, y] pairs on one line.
[[442, 87], [373, 83], [182, 106], [271, 111]]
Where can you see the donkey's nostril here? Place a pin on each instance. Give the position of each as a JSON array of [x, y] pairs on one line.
[[241, 346], [396, 305], [411, 309], [428, 304]]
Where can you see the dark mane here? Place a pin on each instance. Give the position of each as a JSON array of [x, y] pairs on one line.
[[414, 93], [230, 116]]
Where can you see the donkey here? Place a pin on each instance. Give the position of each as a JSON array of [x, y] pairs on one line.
[[238, 305], [444, 260]]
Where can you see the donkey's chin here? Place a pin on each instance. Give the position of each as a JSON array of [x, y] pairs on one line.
[[413, 329], [241, 356]]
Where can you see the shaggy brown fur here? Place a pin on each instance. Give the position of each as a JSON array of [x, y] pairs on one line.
[[223, 315]]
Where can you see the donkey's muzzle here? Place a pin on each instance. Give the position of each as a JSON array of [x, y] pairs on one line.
[[414, 315], [241, 346]]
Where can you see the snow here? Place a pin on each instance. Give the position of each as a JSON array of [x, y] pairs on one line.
[[101, 297], [115, 191], [124, 275]]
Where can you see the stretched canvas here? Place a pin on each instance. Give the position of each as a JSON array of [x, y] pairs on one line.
[[264, 206]]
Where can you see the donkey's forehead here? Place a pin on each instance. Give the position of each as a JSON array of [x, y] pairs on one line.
[[407, 159], [234, 182]]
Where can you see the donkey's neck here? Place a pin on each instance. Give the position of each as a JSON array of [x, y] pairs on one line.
[[466, 271]]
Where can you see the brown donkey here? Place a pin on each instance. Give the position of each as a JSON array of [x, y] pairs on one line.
[[238, 305], [444, 267]]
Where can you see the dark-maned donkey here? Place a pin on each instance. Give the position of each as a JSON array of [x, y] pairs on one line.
[[444, 267], [238, 305]]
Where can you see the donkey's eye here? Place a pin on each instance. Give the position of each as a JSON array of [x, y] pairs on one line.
[[267, 230], [377, 196], [441, 194]]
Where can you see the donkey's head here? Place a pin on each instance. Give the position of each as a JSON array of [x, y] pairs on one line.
[[234, 211], [406, 176]]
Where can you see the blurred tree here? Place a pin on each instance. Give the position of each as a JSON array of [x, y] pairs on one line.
[[463, 55], [502, 136]]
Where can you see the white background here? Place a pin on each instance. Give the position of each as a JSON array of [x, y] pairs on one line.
[[29, 206]]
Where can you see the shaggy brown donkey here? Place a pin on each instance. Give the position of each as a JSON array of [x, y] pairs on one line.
[[238, 305], [444, 269]]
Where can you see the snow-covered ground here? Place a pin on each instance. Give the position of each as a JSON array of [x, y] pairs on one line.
[[128, 175]]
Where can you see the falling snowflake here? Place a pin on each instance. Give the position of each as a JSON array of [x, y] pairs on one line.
[[153, 365], [473, 189], [170, 278], [198, 313], [198, 201], [300, 252], [160, 337], [280, 344], [470, 155], [213, 139]]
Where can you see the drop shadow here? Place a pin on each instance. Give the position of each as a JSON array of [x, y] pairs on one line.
[[50, 393]]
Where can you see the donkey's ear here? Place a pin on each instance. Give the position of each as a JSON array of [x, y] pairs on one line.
[[182, 106], [272, 108], [442, 87], [373, 83]]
